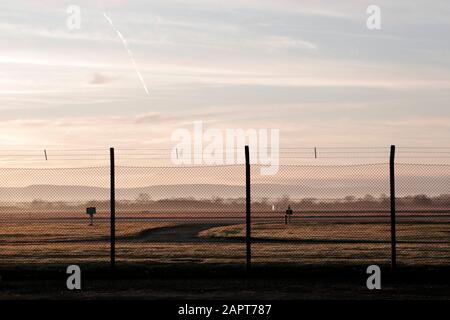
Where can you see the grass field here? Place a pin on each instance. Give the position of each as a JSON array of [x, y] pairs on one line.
[[306, 243], [32, 232], [336, 232]]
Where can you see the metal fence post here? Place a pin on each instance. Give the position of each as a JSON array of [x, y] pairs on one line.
[[393, 210], [113, 210], [248, 208]]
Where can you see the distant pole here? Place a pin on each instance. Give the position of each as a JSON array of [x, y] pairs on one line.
[[113, 210], [315, 152], [393, 210], [248, 208]]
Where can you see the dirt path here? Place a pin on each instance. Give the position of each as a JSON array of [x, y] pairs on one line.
[[188, 233], [183, 233]]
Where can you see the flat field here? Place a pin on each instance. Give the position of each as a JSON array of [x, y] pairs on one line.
[[318, 243]]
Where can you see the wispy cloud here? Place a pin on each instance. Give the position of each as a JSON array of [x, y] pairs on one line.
[[277, 42], [99, 79], [297, 64]]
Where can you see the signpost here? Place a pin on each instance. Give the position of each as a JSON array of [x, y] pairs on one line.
[[91, 211]]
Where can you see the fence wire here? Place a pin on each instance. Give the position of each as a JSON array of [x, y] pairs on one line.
[[424, 197], [175, 208], [196, 215], [339, 215], [43, 218]]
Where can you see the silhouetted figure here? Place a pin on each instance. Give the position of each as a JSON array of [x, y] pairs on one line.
[[287, 216]]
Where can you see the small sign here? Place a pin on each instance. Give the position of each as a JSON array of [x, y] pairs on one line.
[[91, 211]]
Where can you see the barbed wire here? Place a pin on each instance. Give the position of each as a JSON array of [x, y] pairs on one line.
[[149, 154], [254, 165], [227, 148]]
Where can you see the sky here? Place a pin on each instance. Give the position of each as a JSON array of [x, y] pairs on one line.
[[311, 69]]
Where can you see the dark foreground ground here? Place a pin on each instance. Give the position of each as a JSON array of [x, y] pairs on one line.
[[219, 282]]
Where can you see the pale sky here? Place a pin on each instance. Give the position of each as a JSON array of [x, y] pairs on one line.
[[309, 68]]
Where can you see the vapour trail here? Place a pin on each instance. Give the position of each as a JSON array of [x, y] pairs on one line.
[[130, 54]]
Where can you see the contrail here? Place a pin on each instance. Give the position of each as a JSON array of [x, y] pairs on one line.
[[130, 54]]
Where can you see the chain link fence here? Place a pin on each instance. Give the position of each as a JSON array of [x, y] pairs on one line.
[[43, 218], [188, 215], [340, 215], [173, 208], [423, 226]]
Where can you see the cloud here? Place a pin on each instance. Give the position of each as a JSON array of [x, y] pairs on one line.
[[282, 42], [99, 79], [245, 56]]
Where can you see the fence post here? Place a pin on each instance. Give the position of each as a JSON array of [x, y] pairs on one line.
[[248, 208], [393, 210], [113, 210]]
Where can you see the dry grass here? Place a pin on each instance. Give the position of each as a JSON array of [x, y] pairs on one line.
[[339, 232], [129, 252], [65, 243], [226, 253], [32, 232], [322, 243]]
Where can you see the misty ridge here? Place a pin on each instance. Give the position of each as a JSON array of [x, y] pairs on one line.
[[305, 188], [204, 198], [143, 204]]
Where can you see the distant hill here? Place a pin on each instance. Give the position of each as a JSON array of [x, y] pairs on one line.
[[85, 193], [311, 189]]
